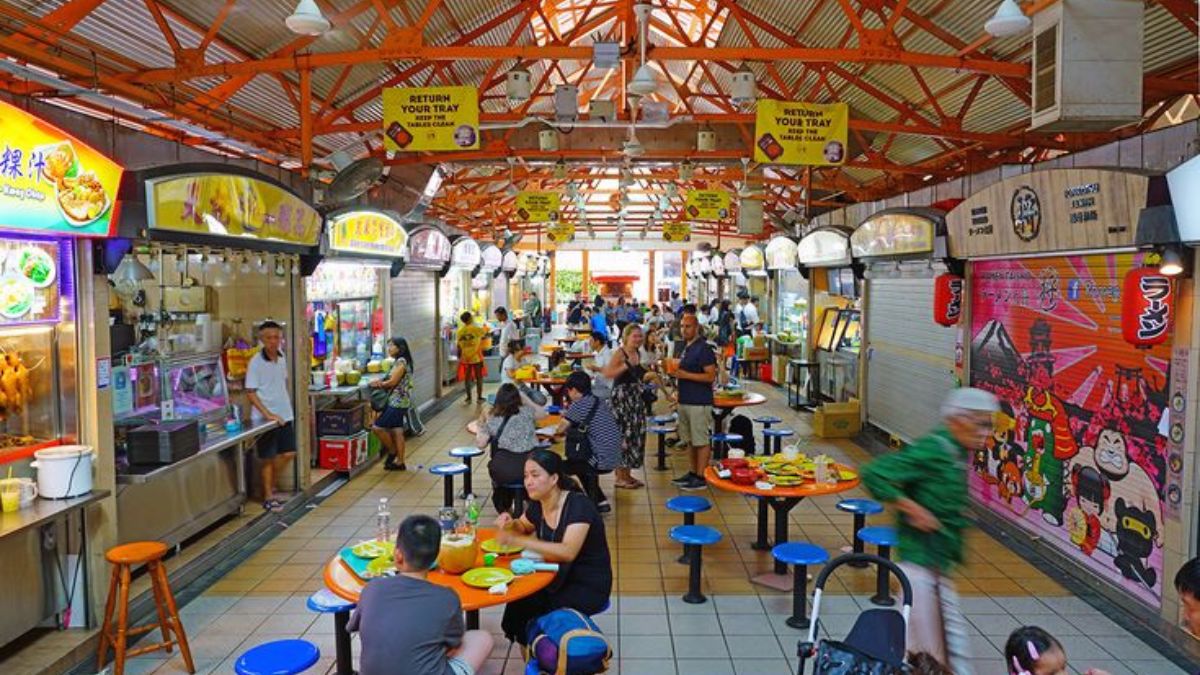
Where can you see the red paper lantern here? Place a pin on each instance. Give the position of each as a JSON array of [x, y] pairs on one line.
[[1146, 307], [947, 299]]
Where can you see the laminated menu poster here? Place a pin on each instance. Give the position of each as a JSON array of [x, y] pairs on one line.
[[30, 275], [1078, 456]]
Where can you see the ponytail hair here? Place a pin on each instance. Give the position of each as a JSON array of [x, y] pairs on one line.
[[553, 464]]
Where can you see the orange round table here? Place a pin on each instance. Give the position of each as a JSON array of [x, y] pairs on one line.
[[344, 583], [781, 500], [723, 407]]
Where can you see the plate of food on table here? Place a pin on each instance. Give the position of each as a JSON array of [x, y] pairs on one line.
[[786, 469]]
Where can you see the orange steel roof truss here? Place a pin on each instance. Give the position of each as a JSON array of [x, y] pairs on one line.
[[914, 71]]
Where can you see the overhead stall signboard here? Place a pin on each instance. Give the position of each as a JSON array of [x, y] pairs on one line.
[[677, 231], [368, 233], [423, 119], [538, 207], [232, 206], [51, 182], [707, 204], [790, 132], [561, 232]]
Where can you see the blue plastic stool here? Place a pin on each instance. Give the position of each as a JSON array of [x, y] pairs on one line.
[[280, 657], [464, 455], [325, 602], [661, 432], [766, 421], [720, 444], [553, 409], [689, 506], [448, 471], [665, 419], [693, 538], [777, 435], [861, 508], [519, 496], [884, 538], [799, 555]]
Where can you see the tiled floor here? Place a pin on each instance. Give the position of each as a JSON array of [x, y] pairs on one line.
[[740, 630]]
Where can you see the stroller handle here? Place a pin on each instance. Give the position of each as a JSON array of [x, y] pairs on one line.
[[905, 586]]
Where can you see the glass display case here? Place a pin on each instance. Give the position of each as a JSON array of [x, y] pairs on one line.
[[345, 313], [790, 322], [839, 343], [190, 387], [29, 396]]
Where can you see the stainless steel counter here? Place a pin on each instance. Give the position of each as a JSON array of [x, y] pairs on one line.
[[45, 510], [214, 444]]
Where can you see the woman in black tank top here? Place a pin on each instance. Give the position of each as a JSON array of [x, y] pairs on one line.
[[628, 374]]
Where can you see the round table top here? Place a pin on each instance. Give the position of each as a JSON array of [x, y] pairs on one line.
[[347, 585], [750, 398], [579, 355], [796, 491], [568, 338], [552, 381]]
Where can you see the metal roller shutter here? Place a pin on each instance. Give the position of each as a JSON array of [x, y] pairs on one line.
[[414, 319], [910, 359]]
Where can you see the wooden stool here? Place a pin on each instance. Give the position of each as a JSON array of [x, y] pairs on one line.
[[124, 558]]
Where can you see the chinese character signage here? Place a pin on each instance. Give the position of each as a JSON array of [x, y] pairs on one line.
[[707, 205], [537, 207], [493, 257], [465, 254], [1080, 452], [1146, 307], [812, 134], [52, 182], [677, 231], [892, 234], [30, 272], [231, 205], [421, 119], [368, 233], [428, 248]]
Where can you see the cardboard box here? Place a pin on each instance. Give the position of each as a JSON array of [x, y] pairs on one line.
[[837, 420]]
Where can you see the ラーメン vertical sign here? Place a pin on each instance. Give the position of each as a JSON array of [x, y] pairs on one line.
[[789, 132], [419, 119]]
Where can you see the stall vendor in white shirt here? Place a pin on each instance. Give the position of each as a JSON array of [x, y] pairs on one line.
[[270, 401], [508, 330]]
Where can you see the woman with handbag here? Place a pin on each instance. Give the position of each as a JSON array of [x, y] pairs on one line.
[[391, 397], [509, 429], [593, 440], [628, 375]]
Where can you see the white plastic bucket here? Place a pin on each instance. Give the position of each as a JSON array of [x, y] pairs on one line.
[[64, 471]]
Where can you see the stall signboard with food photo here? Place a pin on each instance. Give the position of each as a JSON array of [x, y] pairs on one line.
[[232, 206], [29, 277], [368, 233], [52, 182]]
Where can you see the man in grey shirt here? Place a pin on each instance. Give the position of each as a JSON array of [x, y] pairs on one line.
[[410, 626]]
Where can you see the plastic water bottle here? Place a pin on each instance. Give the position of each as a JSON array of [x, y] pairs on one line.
[[383, 522]]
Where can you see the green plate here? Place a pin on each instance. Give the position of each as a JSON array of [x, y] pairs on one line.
[[493, 546], [486, 577], [381, 566], [373, 549]]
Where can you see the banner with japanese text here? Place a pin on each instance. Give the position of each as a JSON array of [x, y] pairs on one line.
[[812, 134], [431, 119]]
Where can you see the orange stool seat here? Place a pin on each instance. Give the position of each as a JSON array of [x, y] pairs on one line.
[[136, 552], [116, 632]]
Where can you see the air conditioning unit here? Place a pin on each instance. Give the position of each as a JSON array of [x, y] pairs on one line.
[[1087, 65], [566, 103]]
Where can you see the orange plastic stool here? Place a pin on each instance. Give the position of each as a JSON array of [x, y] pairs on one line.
[[123, 559]]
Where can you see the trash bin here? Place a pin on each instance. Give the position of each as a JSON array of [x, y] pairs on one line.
[[492, 364]]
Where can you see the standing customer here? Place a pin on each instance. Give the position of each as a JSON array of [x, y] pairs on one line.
[[270, 401], [533, 311], [926, 482], [509, 430], [593, 438], [508, 330], [628, 375], [470, 354], [601, 355], [393, 421], [696, 372], [599, 321]]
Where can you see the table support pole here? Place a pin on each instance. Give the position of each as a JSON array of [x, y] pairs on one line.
[[761, 544], [341, 643], [448, 490], [782, 508], [473, 619]]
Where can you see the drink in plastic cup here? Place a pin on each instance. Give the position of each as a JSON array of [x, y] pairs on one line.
[[10, 498]]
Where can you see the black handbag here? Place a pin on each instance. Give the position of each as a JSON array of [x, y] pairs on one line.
[[839, 658], [379, 399], [577, 443]]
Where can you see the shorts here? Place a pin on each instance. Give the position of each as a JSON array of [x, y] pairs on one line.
[[277, 441], [460, 667], [695, 425], [392, 418]]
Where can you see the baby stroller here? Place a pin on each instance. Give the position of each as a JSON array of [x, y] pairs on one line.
[[877, 643]]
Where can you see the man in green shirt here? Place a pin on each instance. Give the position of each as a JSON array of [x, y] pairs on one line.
[[926, 484]]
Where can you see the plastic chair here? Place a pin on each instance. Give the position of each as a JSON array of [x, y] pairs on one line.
[[694, 538], [280, 657], [861, 508], [464, 455], [661, 432], [883, 538], [689, 506], [776, 435], [448, 471], [799, 555], [123, 559], [325, 602]]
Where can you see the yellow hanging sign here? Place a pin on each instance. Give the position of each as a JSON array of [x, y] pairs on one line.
[[789, 132], [537, 207], [562, 232], [368, 233], [677, 231], [420, 119], [707, 204], [232, 206]]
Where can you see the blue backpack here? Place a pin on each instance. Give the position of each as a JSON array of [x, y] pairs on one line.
[[566, 642]]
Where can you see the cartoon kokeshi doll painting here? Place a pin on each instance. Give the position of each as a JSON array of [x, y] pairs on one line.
[[1048, 441], [1091, 490]]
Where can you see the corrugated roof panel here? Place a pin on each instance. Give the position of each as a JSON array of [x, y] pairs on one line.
[[126, 27], [266, 97], [1167, 42]]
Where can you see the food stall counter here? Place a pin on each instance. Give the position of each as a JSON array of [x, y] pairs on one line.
[[217, 443], [346, 389], [45, 510]]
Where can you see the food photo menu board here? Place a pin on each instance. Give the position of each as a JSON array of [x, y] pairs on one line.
[[29, 281]]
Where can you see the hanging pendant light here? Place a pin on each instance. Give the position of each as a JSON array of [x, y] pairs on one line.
[[643, 83], [1008, 20], [307, 19]]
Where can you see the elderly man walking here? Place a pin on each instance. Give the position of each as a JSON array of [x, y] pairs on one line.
[[926, 484]]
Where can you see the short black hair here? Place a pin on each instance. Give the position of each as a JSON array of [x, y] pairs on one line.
[[689, 308], [419, 539], [465, 317], [597, 335], [579, 381], [515, 346], [501, 310], [1187, 579]]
